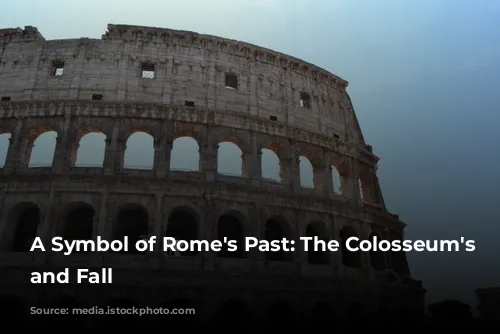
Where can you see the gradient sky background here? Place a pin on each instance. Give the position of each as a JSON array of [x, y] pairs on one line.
[[424, 79]]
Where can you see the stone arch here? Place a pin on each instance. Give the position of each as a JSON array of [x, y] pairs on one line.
[[270, 165], [231, 225], [78, 223], [91, 149], [183, 224], [185, 154], [139, 151], [188, 322], [4, 147], [13, 311], [319, 230], [377, 258], [349, 259], [322, 317], [367, 184], [25, 218], [277, 228], [69, 322], [306, 172], [43, 149], [125, 323], [281, 317], [336, 180], [340, 174], [232, 317], [132, 221], [230, 159]]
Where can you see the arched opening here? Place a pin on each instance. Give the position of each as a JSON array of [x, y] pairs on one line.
[[72, 321], [230, 159], [4, 148], [280, 317], [377, 259], [306, 172], [13, 312], [322, 317], [361, 190], [91, 150], [231, 228], [270, 165], [232, 317], [132, 222], [27, 218], [183, 225], [79, 222], [277, 228], [43, 149], [349, 258], [119, 323], [337, 180], [185, 154], [319, 256], [182, 315], [139, 151]]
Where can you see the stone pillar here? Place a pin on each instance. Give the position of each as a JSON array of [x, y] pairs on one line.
[[253, 161], [100, 229], [208, 160], [111, 146], [290, 171], [327, 179], [158, 223], [48, 220], [62, 154]]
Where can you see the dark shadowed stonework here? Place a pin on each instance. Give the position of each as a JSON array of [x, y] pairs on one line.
[[174, 84]]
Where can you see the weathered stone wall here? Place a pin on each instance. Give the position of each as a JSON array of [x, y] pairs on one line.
[[191, 67], [187, 66]]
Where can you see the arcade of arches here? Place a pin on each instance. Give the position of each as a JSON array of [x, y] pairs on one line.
[[139, 152], [77, 221]]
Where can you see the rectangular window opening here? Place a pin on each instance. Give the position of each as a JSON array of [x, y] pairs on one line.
[[231, 81], [57, 68], [5, 98], [96, 97], [147, 71], [305, 100], [189, 103], [273, 118]]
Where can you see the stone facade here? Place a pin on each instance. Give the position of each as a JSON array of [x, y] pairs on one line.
[[172, 84]]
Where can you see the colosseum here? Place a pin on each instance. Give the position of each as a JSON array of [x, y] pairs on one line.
[[184, 94]]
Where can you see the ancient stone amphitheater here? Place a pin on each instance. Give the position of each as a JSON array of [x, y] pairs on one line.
[[172, 85]]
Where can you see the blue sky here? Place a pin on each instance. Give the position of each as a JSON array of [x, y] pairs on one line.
[[424, 79]]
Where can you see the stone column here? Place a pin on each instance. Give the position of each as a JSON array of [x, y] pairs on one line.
[[111, 146], [327, 179], [62, 154], [208, 159], [158, 223], [290, 171], [101, 227]]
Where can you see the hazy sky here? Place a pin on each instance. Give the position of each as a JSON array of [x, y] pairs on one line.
[[424, 79]]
